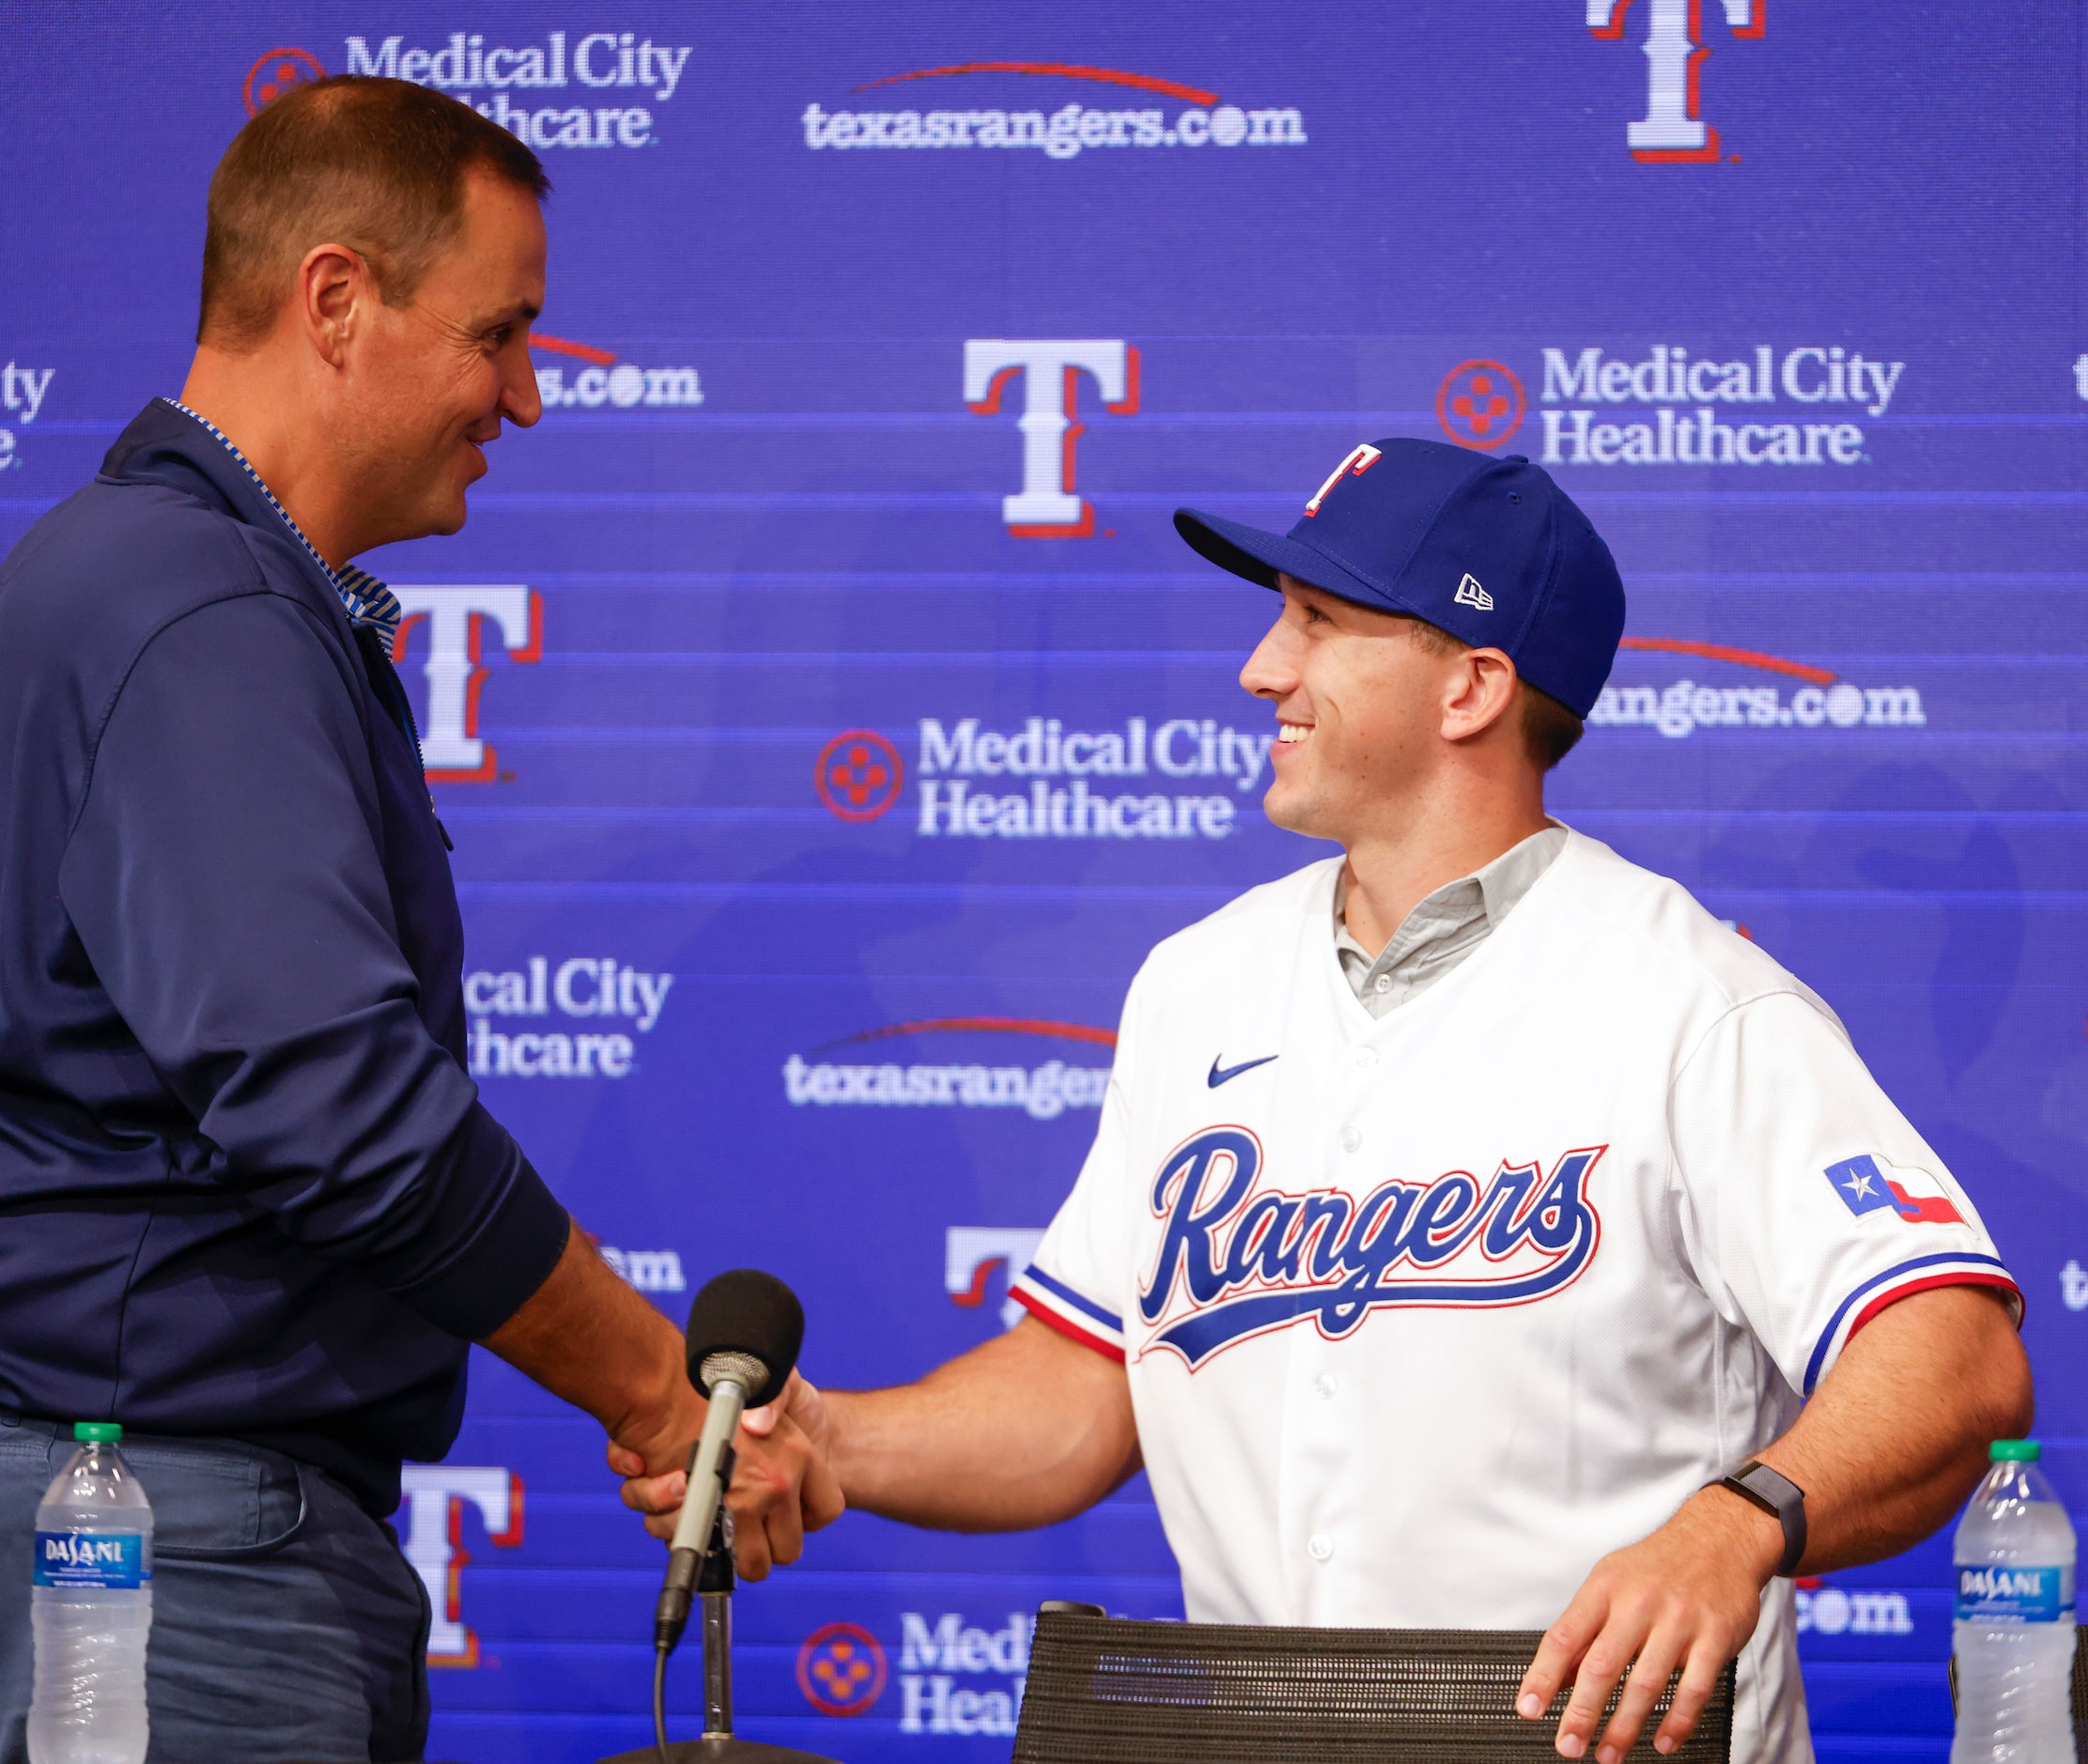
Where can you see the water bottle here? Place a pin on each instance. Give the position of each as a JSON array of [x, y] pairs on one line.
[[90, 1603], [2014, 1631]]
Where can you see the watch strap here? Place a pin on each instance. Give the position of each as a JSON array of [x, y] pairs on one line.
[[1780, 1497]]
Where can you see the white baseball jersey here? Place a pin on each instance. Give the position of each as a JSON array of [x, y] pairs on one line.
[[1423, 1315]]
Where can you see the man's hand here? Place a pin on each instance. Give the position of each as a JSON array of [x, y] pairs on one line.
[[1028, 1429], [783, 1485], [1887, 1449], [1688, 1596]]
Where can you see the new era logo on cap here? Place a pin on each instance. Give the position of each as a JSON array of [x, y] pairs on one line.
[[1491, 551]]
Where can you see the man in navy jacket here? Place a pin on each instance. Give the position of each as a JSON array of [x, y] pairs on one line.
[[251, 1206]]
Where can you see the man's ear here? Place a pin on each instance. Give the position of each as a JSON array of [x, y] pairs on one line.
[[1481, 691], [334, 286]]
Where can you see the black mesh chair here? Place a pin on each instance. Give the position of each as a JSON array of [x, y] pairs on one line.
[[1106, 1690]]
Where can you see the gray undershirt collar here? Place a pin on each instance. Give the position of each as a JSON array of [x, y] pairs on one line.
[[1443, 928]]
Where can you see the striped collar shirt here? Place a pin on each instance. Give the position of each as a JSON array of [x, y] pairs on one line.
[[1443, 928], [366, 600]]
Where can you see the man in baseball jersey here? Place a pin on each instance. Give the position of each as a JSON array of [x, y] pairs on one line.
[[1468, 1207]]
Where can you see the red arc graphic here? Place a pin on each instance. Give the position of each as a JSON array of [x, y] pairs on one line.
[[1056, 70]]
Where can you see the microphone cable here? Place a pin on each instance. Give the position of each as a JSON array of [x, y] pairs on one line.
[[660, 1651]]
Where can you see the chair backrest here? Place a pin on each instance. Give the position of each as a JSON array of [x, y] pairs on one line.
[[1107, 1689]]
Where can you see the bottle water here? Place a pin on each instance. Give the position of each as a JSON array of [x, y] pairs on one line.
[[90, 1602], [2014, 1632]]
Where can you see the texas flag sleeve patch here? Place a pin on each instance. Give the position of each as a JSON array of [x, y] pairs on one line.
[[1867, 1183]]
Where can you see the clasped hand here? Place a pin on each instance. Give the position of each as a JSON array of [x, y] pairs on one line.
[[783, 1486]]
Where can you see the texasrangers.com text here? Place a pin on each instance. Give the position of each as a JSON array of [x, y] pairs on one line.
[[1685, 707], [1064, 135], [1043, 1094]]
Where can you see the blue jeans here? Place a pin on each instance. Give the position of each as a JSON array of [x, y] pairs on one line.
[[285, 1623]]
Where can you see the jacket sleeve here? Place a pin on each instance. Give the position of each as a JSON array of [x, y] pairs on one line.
[[225, 882]]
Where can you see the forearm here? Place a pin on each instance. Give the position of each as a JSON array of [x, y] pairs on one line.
[[1896, 1435], [1893, 1440], [588, 1337], [1026, 1430]]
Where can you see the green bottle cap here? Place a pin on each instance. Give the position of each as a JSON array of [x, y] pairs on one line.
[[97, 1432], [2014, 1451]]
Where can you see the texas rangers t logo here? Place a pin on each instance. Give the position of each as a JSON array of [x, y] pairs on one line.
[[1233, 1263], [1672, 131]]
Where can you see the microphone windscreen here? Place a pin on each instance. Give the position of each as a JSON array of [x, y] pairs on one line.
[[746, 1312]]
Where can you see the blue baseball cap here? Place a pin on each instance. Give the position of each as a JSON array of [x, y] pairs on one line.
[[1489, 550]]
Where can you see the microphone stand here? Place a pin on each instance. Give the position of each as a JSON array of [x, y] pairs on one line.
[[720, 1743], [713, 1587]]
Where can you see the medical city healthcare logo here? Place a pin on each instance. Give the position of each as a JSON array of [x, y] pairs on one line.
[[22, 394], [518, 78], [1069, 128], [1069, 782], [1759, 405], [857, 775], [276, 73], [614, 996], [1673, 131], [954, 1677], [841, 1669], [1479, 404]]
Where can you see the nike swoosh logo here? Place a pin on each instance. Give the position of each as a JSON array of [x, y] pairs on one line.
[[1220, 1075]]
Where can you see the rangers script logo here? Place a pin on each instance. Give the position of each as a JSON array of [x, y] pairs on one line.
[[1234, 1263]]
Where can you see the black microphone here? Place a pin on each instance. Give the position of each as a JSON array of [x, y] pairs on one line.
[[745, 1329]]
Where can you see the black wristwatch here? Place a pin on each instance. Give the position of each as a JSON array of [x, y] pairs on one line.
[[1781, 1498]]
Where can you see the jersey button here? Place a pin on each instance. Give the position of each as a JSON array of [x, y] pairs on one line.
[[1384, 982], [1352, 1141], [1365, 1057], [1320, 1546], [1324, 1387]]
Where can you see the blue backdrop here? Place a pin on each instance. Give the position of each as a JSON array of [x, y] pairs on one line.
[[828, 718]]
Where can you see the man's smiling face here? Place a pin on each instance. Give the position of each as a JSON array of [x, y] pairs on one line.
[[444, 370], [1358, 697]]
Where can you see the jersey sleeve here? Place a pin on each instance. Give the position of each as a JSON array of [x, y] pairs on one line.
[[1079, 1282], [1810, 1203]]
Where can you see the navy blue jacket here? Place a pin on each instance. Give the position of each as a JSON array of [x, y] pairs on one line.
[[246, 1186]]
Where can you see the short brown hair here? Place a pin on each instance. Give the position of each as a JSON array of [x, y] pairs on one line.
[[375, 164], [1549, 729]]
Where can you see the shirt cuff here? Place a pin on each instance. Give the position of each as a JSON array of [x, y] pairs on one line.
[[510, 1250], [1881, 1290], [1071, 1313]]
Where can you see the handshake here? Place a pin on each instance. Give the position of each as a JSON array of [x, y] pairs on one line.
[[744, 1331]]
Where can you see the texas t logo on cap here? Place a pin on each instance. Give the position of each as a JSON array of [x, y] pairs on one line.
[[1362, 456], [1417, 528]]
